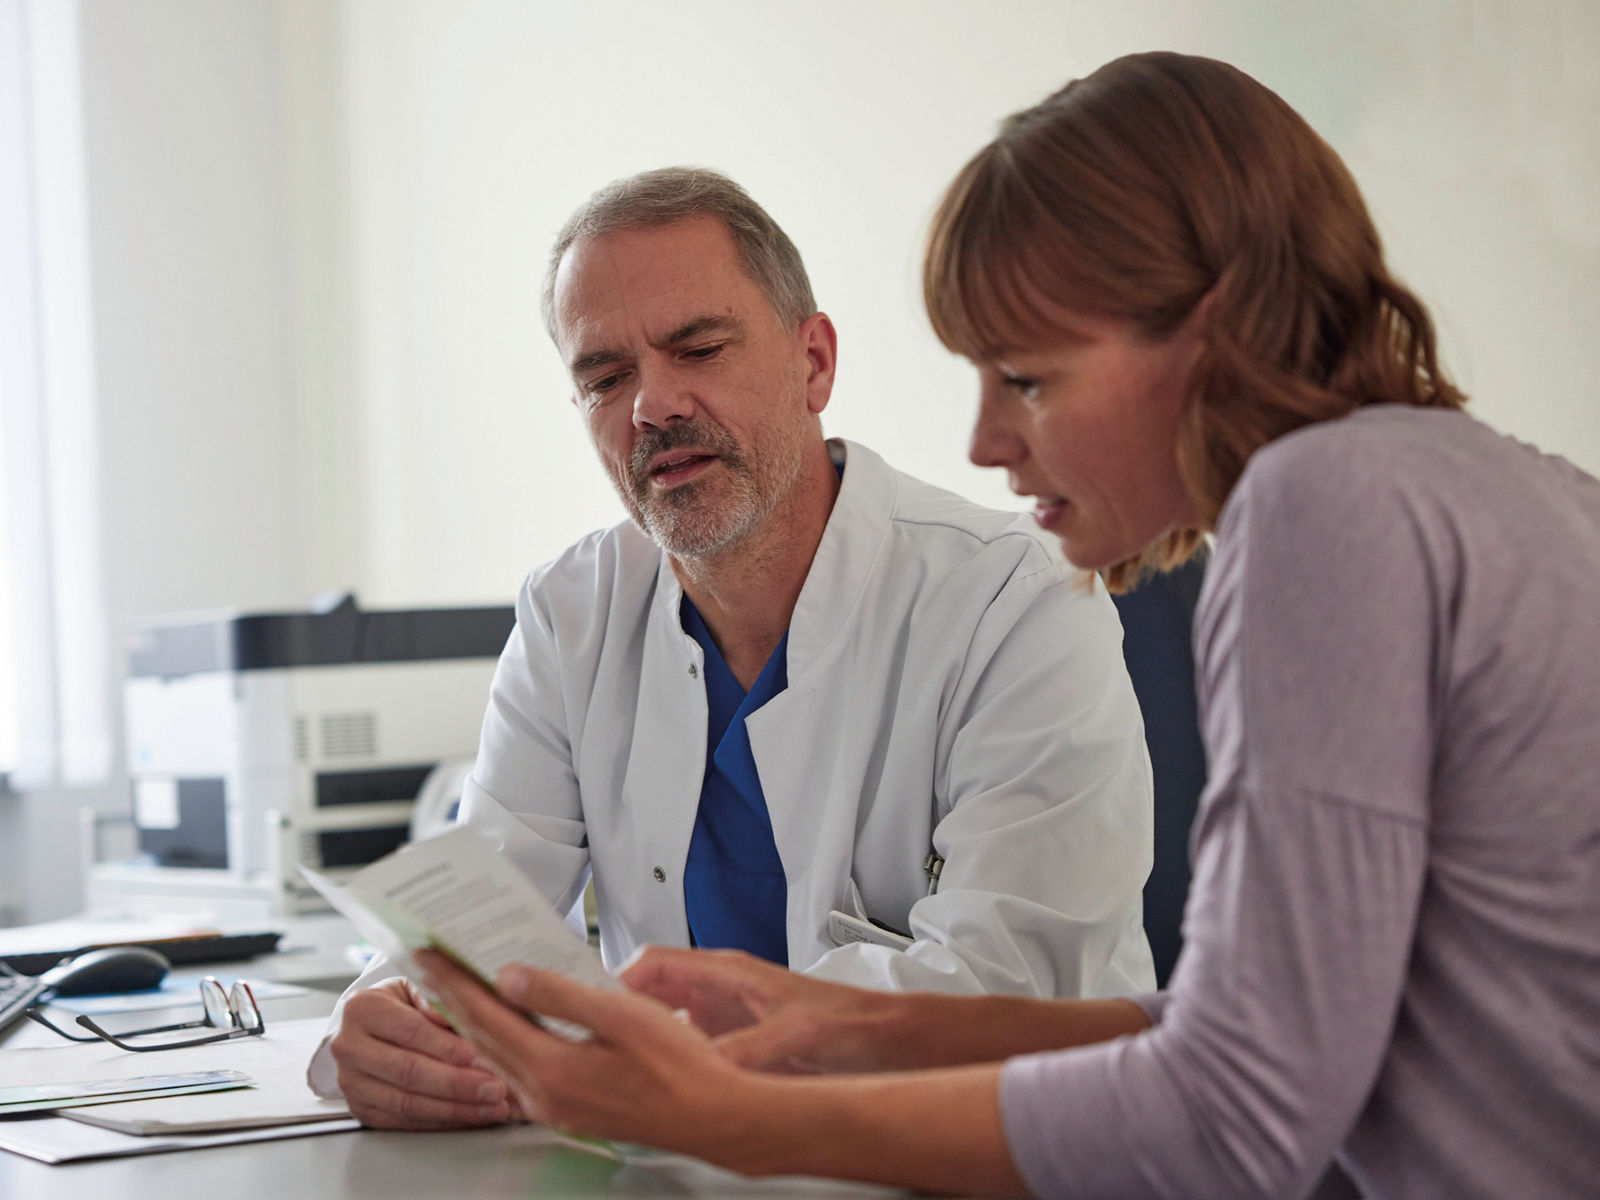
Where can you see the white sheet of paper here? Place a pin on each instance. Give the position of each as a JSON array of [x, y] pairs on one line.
[[276, 1061], [456, 893], [58, 1140]]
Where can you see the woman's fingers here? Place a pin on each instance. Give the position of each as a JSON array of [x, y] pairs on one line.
[[472, 1006], [720, 990], [617, 1017], [779, 1044], [643, 1075]]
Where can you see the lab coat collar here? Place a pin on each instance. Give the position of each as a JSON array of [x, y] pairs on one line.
[[851, 543]]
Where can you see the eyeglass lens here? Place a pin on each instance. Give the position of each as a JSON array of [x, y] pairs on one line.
[[215, 999], [245, 1009]]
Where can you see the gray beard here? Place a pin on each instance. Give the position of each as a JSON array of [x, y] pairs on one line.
[[684, 522]]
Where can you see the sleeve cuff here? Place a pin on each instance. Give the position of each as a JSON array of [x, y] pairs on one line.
[[1154, 1005]]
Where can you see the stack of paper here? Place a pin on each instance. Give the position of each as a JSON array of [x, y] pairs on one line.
[[37, 1097], [277, 1100]]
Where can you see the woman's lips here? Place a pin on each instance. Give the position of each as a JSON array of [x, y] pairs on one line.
[[1049, 512]]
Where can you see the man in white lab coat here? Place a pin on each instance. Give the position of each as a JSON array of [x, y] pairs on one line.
[[799, 697]]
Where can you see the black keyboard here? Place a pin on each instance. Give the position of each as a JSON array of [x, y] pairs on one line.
[[17, 994], [179, 951]]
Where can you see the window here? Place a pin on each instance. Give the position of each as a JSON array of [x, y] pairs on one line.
[[54, 652]]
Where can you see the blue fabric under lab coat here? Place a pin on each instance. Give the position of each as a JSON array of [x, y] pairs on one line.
[[733, 883]]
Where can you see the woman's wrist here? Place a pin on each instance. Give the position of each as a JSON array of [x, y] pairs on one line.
[[936, 1130], [922, 1030]]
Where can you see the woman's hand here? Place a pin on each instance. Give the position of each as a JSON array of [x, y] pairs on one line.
[[647, 1076], [763, 1016], [768, 1017], [644, 1075]]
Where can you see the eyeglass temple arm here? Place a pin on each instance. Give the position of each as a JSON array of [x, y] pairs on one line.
[[36, 1015], [116, 1041]]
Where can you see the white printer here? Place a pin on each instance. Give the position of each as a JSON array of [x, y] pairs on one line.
[[257, 742]]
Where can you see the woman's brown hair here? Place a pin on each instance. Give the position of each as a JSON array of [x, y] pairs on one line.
[[1156, 182]]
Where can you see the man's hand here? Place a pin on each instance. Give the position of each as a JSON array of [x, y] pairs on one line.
[[765, 1016], [402, 1067]]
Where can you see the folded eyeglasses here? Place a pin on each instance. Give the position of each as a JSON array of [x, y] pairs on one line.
[[233, 1011]]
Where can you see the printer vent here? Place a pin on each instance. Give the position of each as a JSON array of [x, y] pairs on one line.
[[349, 735], [302, 740]]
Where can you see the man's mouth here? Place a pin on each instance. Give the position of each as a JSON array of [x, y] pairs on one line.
[[678, 467]]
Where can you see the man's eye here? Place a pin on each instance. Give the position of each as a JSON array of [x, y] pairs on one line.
[[599, 387], [701, 353]]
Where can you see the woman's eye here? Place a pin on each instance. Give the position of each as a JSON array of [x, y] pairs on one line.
[[1022, 386]]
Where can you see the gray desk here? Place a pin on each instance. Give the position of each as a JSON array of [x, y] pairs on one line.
[[510, 1161]]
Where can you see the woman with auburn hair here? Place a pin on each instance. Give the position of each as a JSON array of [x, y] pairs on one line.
[[1182, 323]]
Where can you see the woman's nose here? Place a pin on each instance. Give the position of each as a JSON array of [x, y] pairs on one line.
[[992, 444]]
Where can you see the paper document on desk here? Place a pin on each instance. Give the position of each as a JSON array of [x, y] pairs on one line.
[[275, 1062], [455, 893], [58, 1140], [40, 1097]]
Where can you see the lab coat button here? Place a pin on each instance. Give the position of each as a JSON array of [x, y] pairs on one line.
[[694, 671], [661, 876]]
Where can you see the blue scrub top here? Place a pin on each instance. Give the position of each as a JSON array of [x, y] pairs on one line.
[[734, 888]]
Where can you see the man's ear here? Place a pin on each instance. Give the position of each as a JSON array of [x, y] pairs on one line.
[[820, 343]]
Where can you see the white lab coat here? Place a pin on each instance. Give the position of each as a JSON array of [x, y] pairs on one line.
[[954, 687]]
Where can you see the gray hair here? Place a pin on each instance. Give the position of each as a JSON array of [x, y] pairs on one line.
[[655, 198]]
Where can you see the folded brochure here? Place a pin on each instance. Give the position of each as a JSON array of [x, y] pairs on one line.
[[457, 894]]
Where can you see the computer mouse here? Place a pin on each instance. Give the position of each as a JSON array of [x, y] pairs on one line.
[[113, 969]]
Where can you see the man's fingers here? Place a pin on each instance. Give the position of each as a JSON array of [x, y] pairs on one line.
[[380, 1105], [412, 1072], [424, 1006], [387, 1018]]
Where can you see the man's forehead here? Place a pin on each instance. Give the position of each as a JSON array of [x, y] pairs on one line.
[[660, 284], [694, 252]]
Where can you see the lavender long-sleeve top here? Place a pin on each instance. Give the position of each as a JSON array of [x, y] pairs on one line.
[[1393, 933]]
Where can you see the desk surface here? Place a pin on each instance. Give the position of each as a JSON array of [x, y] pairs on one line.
[[509, 1161], [490, 1163]]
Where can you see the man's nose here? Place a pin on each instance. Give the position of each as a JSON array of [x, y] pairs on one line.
[[662, 396]]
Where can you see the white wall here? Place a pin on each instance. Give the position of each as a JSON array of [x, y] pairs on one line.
[[184, 130], [318, 229], [204, 464], [474, 128]]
